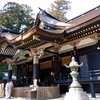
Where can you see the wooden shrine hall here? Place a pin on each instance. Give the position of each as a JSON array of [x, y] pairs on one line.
[[42, 51]]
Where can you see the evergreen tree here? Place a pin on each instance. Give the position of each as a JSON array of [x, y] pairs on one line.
[[4, 66], [16, 17], [59, 9]]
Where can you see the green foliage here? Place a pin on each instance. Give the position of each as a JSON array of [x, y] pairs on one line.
[[16, 17], [14, 70], [59, 9], [4, 66], [1, 76]]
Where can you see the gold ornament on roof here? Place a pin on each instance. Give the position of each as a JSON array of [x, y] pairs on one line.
[[64, 39], [36, 37], [96, 37], [4, 45], [34, 52], [56, 45]]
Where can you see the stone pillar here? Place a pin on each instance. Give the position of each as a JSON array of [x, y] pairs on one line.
[[9, 72]]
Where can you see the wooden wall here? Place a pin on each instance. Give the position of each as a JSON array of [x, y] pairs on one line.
[[65, 60], [46, 64]]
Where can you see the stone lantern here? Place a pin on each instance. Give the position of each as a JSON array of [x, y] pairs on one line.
[[75, 92]]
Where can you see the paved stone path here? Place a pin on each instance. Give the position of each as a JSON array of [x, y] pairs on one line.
[[61, 98]]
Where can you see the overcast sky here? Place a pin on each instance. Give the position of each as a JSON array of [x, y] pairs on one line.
[[77, 7]]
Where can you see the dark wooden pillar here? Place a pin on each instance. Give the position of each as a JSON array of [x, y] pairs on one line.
[[25, 72], [98, 45], [19, 72], [35, 71], [56, 65], [35, 67], [9, 72], [92, 90], [75, 54], [75, 50], [36, 54]]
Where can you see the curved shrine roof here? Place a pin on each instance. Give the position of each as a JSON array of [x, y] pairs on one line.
[[35, 37], [48, 30], [3, 30]]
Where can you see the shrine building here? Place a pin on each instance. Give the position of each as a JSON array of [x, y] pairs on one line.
[[41, 52]]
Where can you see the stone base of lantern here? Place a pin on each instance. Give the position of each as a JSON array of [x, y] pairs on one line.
[[76, 96]]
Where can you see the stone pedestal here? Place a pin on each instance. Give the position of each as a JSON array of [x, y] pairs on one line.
[[76, 96], [34, 85]]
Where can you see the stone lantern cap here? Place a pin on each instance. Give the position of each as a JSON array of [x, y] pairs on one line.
[[73, 64]]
